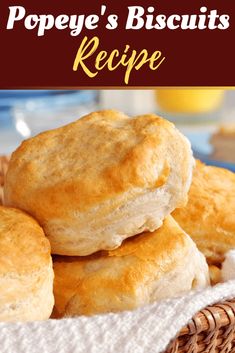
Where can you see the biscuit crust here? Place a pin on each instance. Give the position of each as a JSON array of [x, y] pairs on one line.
[[209, 215], [145, 268], [101, 179], [26, 274]]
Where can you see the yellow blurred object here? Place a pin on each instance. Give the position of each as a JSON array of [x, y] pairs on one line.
[[192, 101]]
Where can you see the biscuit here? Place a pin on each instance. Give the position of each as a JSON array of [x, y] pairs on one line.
[[146, 268], [101, 179], [3, 169], [215, 274], [209, 215], [223, 142], [26, 274]]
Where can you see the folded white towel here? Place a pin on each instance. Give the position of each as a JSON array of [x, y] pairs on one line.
[[146, 330]]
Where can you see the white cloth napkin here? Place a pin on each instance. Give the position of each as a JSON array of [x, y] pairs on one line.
[[147, 329]]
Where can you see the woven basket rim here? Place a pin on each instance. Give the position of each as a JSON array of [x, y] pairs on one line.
[[214, 316], [211, 330]]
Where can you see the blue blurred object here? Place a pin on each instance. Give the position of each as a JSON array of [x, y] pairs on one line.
[[56, 98], [9, 99], [202, 149], [24, 113]]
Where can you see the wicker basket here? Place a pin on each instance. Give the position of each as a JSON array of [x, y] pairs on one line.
[[211, 330]]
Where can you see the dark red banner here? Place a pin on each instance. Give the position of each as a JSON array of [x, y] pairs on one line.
[[108, 43]]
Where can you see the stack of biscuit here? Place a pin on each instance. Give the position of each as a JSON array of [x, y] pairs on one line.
[[103, 190]]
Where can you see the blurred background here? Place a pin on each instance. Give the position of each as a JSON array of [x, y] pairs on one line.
[[205, 116]]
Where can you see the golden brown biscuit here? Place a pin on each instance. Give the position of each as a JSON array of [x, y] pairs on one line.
[[215, 274], [145, 268], [101, 179], [3, 169], [26, 275], [209, 215], [223, 142]]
